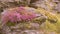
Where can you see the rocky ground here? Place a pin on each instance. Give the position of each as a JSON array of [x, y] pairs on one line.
[[46, 22]]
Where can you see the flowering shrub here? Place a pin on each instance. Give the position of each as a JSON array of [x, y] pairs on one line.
[[17, 14]]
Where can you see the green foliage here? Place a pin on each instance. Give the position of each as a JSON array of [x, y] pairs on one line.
[[10, 24]]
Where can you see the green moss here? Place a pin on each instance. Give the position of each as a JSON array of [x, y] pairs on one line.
[[50, 26]]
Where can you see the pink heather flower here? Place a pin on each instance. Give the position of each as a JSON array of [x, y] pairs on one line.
[[17, 14]]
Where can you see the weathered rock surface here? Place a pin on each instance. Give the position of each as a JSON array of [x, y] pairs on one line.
[[33, 27]]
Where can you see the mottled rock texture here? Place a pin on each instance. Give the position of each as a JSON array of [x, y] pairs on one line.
[[46, 22]]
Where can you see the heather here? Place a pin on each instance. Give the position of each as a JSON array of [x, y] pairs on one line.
[[17, 15]]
